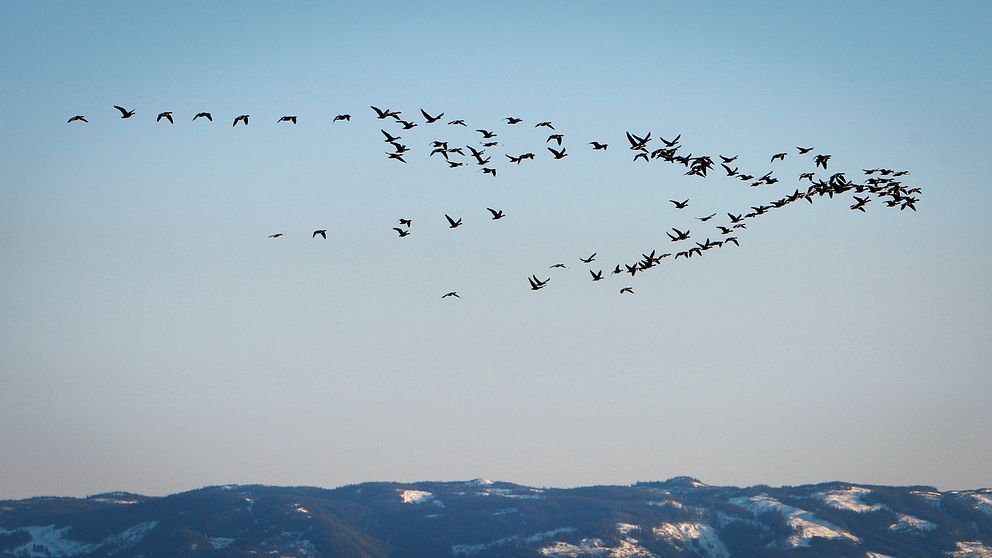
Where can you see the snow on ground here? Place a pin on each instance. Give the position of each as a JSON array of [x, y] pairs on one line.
[[667, 503], [805, 525], [470, 549], [627, 528], [113, 498], [973, 549], [876, 555], [419, 497], [531, 494], [479, 482], [983, 501], [911, 524], [626, 548], [52, 541], [932, 498], [698, 537], [848, 499]]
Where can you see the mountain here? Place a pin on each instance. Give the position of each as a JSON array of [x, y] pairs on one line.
[[680, 517]]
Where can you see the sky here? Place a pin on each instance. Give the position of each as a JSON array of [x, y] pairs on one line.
[[154, 339]]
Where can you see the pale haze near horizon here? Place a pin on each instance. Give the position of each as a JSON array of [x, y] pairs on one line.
[[153, 339]]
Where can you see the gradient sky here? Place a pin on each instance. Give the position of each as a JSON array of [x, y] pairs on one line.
[[153, 339]]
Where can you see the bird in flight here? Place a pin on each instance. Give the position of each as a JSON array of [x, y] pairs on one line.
[[544, 124], [627, 290], [276, 235], [779, 156], [670, 143], [287, 119], [555, 137], [679, 235], [242, 118], [77, 118], [821, 161], [558, 154], [512, 120], [598, 146], [166, 115], [124, 112], [557, 266], [457, 123], [452, 293], [486, 134], [321, 232], [497, 214], [590, 259], [488, 170], [596, 275], [406, 222], [402, 232], [536, 284], [346, 117], [383, 114], [804, 150], [204, 115], [452, 223], [680, 205], [707, 218], [431, 119]]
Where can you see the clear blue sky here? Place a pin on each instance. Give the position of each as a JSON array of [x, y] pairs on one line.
[[152, 338]]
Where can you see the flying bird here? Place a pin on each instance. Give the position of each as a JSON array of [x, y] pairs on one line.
[[486, 134], [707, 218], [166, 115], [321, 232], [544, 124], [204, 115], [402, 232], [779, 156], [77, 118], [242, 118], [457, 123], [124, 112], [452, 223], [287, 119], [383, 114], [590, 259], [558, 154], [597, 146], [512, 120], [452, 293], [680, 205], [346, 117], [555, 137], [406, 222], [496, 214], [627, 290], [431, 119], [596, 276], [276, 235], [804, 150]]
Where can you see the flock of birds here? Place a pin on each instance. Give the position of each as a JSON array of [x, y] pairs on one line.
[[882, 183]]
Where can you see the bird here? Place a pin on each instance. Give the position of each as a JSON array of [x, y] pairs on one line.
[[707, 218], [728, 160], [861, 202], [402, 232], [555, 137], [544, 124], [389, 138], [287, 119], [670, 143], [486, 134], [398, 156], [431, 119], [617, 270], [821, 161], [276, 235], [406, 124], [558, 154], [779, 156], [124, 112], [590, 259], [166, 115], [512, 120], [406, 222], [242, 118], [383, 114], [321, 232], [204, 115], [804, 150], [497, 214], [627, 290], [679, 235], [457, 123], [639, 143], [452, 223], [597, 146], [452, 293], [77, 118], [488, 170], [346, 117], [557, 266], [536, 284], [680, 205], [596, 275]]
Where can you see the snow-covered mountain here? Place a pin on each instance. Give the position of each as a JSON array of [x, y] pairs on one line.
[[681, 517]]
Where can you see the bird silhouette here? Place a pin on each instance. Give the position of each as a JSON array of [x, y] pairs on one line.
[[804, 150], [779, 156], [707, 218], [680, 204], [497, 214], [457, 123], [512, 120], [406, 222], [344, 117], [452, 223], [204, 115], [627, 290], [287, 119], [321, 232], [276, 235], [450, 294], [431, 119], [558, 154], [242, 118], [383, 114], [165, 115], [544, 124], [124, 112], [597, 146], [596, 275], [590, 259], [402, 232], [77, 118]]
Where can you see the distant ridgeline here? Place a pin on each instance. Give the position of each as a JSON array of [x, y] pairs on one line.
[[456, 145], [681, 517]]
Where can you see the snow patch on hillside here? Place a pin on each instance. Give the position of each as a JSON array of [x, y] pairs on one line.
[[49, 540], [848, 499], [667, 504], [932, 498], [983, 502], [698, 537], [627, 528], [805, 525], [470, 549], [911, 524], [972, 549], [419, 497], [876, 555], [626, 548], [479, 482], [531, 494]]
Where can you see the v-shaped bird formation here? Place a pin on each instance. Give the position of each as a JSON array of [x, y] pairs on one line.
[[882, 185]]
